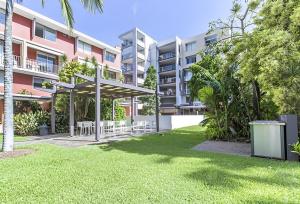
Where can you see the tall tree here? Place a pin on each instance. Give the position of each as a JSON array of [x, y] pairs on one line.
[[239, 26], [150, 83], [67, 12]]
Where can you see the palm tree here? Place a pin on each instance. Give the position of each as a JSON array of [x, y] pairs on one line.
[[8, 132]]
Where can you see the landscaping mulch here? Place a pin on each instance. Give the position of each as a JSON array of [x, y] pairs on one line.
[[15, 153]]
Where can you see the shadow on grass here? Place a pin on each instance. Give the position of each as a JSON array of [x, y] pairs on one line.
[[215, 169]]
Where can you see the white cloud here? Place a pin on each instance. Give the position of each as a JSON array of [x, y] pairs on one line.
[[134, 8]]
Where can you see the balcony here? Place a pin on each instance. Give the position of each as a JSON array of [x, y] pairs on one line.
[[127, 69], [140, 68], [140, 81], [167, 105], [126, 45], [169, 93], [166, 56], [167, 68], [32, 65], [186, 92], [37, 66], [141, 56], [166, 81], [127, 58]]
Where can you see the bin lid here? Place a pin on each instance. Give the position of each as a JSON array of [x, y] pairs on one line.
[[266, 122]]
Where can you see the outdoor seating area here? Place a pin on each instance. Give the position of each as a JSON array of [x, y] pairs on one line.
[[113, 128]]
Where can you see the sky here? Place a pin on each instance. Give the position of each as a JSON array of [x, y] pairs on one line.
[[161, 19]]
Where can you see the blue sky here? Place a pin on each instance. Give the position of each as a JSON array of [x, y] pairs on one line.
[[161, 19]]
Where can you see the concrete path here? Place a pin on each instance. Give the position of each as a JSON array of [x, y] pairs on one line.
[[243, 149]]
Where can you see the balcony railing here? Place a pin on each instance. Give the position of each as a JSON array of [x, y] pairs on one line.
[[127, 56], [167, 105], [167, 55], [127, 68], [169, 93], [16, 61], [37, 66], [167, 68], [126, 45], [168, 80], [32, 65]]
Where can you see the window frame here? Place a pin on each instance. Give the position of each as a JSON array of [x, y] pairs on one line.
[[2, 13], [44, 30], [112, 57], [40, 88], [189, 57], [191, 46], [84, 46]]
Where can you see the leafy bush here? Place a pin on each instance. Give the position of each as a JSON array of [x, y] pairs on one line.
[[28, 123], [62, 122], [296, 148]]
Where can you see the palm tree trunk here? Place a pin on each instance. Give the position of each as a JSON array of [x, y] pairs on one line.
[[8, 130]]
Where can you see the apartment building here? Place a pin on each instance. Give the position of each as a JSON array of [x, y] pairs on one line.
[[172, 59], [38, 44]]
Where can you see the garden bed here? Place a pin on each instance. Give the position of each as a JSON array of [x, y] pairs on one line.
[[15, 153]]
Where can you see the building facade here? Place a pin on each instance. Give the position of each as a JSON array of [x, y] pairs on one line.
[[38, 44], [172, 59]]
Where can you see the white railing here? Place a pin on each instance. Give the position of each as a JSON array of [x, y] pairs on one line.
[[32, 65], [16, 60], [37, 66]]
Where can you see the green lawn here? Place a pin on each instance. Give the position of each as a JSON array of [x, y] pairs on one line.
[[17, 138], [154, 169]]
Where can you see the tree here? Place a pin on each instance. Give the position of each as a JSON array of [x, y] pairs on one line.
[[8, 134], [150, 83], [106, 72], [272, 54], [240, 23]]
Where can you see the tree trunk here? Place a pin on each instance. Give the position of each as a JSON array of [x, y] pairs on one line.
[[8, 130], [256, 99]]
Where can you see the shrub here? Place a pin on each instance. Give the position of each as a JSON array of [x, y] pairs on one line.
[[28, 123], [296, 148]]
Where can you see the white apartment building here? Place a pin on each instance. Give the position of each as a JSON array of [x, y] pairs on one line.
[[172, 59]]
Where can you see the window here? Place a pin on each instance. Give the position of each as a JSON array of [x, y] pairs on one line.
[[210, 39], [2, 16], [84, 47], [112, 75], [41, 83], [190, 46], [45, 32], [1, 48], [46, 63], [191, 59], [110, 57]]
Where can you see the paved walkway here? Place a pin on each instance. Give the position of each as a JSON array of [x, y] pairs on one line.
[[76, 141], [243, 149]]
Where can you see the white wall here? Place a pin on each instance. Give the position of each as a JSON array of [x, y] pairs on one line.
[[170, 122]]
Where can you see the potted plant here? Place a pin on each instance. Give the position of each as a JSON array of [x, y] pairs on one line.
[[42, 119], [296, 148]]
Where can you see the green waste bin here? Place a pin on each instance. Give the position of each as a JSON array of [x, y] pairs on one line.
[[267, 139]]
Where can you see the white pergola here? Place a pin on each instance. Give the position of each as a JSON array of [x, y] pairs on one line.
[[101, 88]]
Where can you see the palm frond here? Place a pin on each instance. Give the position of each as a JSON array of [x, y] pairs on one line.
[[67, 12], [93, 5]]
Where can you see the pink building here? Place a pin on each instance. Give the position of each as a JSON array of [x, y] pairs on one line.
[[38, 44]]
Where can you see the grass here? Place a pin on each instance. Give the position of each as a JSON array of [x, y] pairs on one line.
[[154, 169], [18, 138]]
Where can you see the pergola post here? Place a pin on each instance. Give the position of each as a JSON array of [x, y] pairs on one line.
[[98, 104], [71, 118], [53, 101], [132, 109], [113, 110], [156, 109]]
